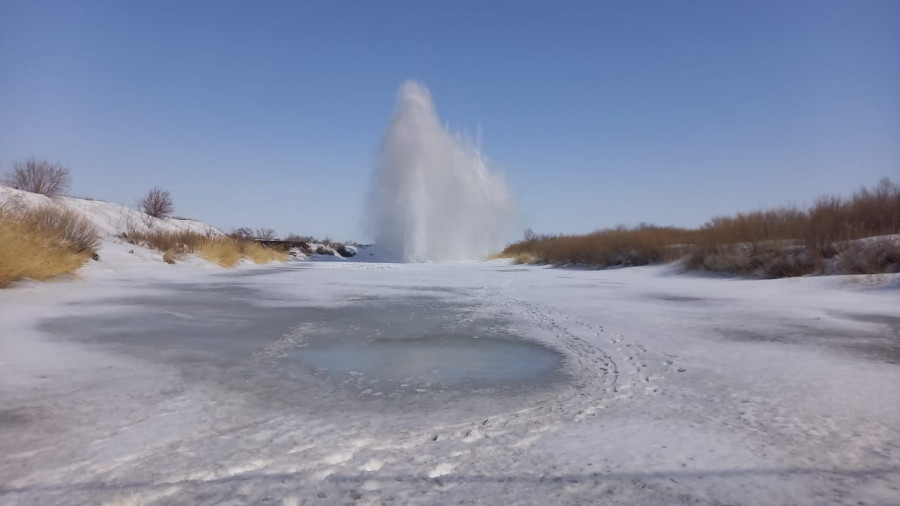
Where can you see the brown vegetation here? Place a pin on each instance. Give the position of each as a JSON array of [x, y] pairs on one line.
[[241, 233], [228, 252], [68, 226], [620, 246], [39, 176], [43, 242], [260, 234], [157, 203], [222, 250], [768, 243], [266, 234]]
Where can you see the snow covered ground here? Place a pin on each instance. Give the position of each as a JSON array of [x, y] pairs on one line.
[[186, 385], [108, 218]]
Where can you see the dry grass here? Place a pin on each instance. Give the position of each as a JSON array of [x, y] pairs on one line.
[[43, 243], [170, 256], [224, 251], [228, 252], [178, 242], [259, 254], [68, 226], [780, 242], [620, 246]]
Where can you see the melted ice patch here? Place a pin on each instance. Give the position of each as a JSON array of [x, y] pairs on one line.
[[446, 360]]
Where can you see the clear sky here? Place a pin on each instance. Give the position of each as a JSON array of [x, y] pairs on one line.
[[598, 113]]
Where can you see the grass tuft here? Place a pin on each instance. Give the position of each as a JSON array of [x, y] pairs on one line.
[[221, 250], [42, 243]]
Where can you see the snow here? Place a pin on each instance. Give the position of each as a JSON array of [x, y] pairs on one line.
[[109, 219], [149, 383], [112, 221]]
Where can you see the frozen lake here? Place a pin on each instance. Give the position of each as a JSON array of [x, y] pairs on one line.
[[426, 340], [336, 383]]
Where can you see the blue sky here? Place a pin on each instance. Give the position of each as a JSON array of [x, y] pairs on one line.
[[597, 113]]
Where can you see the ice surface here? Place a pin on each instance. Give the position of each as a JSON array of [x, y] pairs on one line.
[[438, 345], [443, 360], [184, 385]]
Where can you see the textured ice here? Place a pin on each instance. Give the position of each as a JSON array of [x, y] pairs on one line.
[[444, 360]]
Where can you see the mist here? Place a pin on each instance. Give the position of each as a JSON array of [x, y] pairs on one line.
[[434, 197]]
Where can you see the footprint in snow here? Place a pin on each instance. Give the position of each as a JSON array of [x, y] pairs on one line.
[[441, 470], [372, 465]]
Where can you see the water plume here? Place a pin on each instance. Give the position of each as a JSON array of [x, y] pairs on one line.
[[433, 196]]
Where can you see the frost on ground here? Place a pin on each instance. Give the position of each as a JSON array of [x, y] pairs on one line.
[[170, 385]]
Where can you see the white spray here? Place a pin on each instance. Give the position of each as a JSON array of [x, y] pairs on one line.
[[433, 197]]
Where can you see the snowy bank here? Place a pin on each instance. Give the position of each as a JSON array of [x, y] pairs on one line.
[[110, 220], [124, 233]]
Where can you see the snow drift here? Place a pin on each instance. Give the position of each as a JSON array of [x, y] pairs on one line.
[[109, 219], [433, 196]]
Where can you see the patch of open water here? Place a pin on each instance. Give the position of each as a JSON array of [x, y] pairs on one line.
[[232, 334], [446, 360]]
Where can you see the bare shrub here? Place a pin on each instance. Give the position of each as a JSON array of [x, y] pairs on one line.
[[786, 241], [241, 233], [621, 246], [40, 176], [299, 238], [265, 234], [157, 203], [261, 234], [771, 260], [869, 257]]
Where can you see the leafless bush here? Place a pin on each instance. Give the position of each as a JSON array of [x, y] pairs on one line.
[[779, 242], [261, 234], [299, 238], [265, 234], [869, 257], [241, 233], [40, 176], [770, 260], [621, 246], [157, 203]]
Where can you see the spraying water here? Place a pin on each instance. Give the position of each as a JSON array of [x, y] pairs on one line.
[[433, 197]]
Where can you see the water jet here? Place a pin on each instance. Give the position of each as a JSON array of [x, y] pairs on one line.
[[433, 196]]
